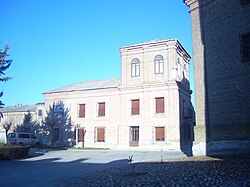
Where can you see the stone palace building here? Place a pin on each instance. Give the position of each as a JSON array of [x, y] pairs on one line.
[[148, 107]]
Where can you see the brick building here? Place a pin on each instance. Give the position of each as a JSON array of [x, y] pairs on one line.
[[148, 107], [221, 53]]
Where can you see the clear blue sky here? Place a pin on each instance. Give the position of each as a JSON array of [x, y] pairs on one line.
[[58, 42]]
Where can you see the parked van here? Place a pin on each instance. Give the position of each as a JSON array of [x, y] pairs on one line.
[[22, 138]]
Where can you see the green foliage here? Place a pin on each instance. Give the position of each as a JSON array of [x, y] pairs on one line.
[[4, 65], [28, 125]]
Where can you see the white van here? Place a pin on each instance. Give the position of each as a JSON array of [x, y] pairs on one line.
[[22, 138]]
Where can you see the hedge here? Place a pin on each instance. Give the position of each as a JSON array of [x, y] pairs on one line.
[[14, 152]]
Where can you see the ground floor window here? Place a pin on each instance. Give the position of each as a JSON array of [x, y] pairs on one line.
[[100, 134], [160, 133], [81, 133]]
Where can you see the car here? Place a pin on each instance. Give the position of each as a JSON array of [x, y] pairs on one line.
[[23, 138]]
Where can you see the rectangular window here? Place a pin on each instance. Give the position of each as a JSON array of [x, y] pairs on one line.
[[101, 109], [100, 134], [159, 105], [135, 108], [245, 48], [159, 133], [40, 112], [81, 110], [81, 133]]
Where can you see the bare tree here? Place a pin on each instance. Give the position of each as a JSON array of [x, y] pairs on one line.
[[7, 124]]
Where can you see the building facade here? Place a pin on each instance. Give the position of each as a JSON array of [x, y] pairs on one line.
[[15, 115], [221, 53], [149, 106]]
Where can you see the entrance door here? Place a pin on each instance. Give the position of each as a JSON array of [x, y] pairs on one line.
[[134, 136]]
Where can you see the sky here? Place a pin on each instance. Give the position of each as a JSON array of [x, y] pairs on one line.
[[54, 43]]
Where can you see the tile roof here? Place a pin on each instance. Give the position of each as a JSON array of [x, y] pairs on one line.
[[19, 108], [88, 85]]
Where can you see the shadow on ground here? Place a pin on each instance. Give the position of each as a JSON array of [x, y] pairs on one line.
[[201, 171]]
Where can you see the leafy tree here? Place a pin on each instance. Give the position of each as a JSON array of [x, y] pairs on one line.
[[57, 123], [28, 125], [4, 64]]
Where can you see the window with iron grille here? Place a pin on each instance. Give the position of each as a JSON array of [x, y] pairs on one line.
[[159, 104], [245, 48], [159, 133], [100, 134], [101, 109], [159, 64], [81, 110], [135, 67], [135, 107]]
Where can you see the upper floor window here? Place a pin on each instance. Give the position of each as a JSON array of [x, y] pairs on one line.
[[245, 48], [101, 109], [135, 67], [135, 108], [159, 105], [159, 64], [81, 110]]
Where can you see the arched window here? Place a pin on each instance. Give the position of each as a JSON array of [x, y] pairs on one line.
[[159, 64], [135, 67]]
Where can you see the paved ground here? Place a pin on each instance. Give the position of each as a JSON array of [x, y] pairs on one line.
[[52, 167], [194, 171]]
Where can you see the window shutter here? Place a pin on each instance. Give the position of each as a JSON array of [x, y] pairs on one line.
[[135, 107], [101, 109], [81, 111], [159, 133], [100, 134], [80, 135], [159, 105]]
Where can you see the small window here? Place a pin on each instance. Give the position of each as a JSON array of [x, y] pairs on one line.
[[159, 105], [81, 111], [100, 134], [245, 48], [159, 133], [135, 67], [159, 64], [101, 109], [135, 107], [40, 112]]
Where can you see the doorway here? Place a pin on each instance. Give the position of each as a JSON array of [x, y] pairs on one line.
[[134, 136]]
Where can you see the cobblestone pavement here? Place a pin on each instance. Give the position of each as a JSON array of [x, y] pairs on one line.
[[193, 171]]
